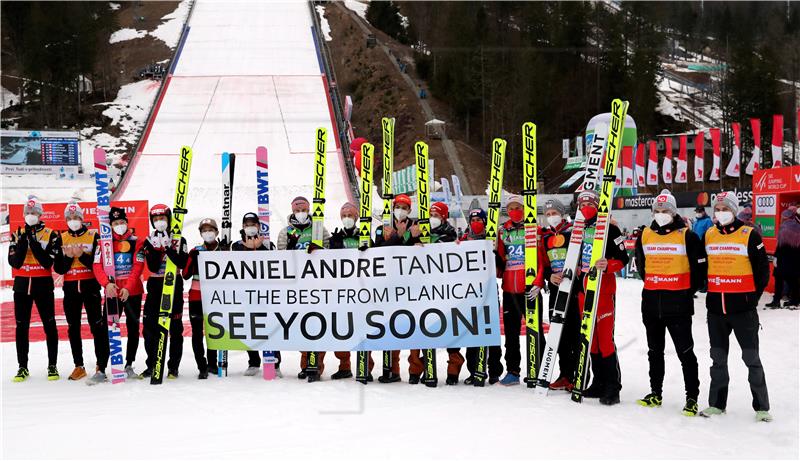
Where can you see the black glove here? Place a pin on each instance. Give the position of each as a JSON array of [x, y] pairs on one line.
[[291, 241], [363, 248], [313, 247]]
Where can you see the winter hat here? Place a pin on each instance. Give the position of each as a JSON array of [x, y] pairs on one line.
[[208, 222], [347, 206], [514, 198], [402, 199], [73, 209], [665, 201], [117, 213], [729, 200], [300, 199], [555, 205], [441, 208], [700, 209], [477, 213], [250, 216], [588, 196], [33, 205]]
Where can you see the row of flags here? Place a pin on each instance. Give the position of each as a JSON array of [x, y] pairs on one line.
[[633, 170]]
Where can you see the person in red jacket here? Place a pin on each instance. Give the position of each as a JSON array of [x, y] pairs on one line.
[[127, 288], [511, 267], [81, 290], [605, 366]]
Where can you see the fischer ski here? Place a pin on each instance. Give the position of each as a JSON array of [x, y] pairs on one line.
[[268, 358], [318, 219], [533, 318], [228, 169], [106, 252], [619, 110], [493, 217], [168, 290], [565, 291], [387, 125], [423, 204], [364, 236]]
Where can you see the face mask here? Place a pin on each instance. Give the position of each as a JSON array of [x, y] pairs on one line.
[[724, 217], [554, 221], [348, 222], [588, 212], [120, 229], [74, 224], [435, 222], [662, 219], [160, 225], [301, 217], [478, 227], [209, 236], [251, 231], [400, 214], [515, 215], [698, 215], [31, 219]]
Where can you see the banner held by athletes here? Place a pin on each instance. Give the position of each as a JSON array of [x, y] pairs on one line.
[[388, 298]]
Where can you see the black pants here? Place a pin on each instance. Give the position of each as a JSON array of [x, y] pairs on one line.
[[132, 310], [513, 313], [680, 330], [789, 285], [23, 307], [493, 363], [151, 310], [745, 327], [202, 357], [568, 345], [85, 294]]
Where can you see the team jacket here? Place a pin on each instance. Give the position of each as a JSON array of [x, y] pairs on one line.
[[396, 239], [510, 258], [191, 269], [345, 238], [737, 269], [297, 236], [128, 263], [670, 260], [156, 258], [444, 233], [31, 254], [615, 253], [553, 250]]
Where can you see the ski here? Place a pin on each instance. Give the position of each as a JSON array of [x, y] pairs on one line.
[[619, 110], [168, 290], [387, 125], [565, 288], [106, 252], [364, 237], [423, 205], [493, 217], [228, 169], [262, 187], [533, 321], [318, 214]]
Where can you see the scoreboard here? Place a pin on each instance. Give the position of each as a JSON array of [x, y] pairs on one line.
[[60, 151]]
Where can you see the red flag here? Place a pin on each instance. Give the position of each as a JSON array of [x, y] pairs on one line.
[[777, 141], [681, 173], [627, 166], [733, 165], [666, 169], [639, 162], [652, 164], [699, 165], [715, 149], [755, 159]]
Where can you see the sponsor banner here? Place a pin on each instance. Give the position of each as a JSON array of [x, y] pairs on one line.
[[683, 199], [53, 216], [767, 224], [786, 179], [389, 298], [766, 205]]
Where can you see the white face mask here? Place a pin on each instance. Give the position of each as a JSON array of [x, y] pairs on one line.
[[74, 224], [724, 217], [400, 213], [435, 222], [160, 225], [208, 236], [348, 222], [301, 217], [698, 215], [120, 229], [554, 221], [662, 219], [31, 219], [251, 231]]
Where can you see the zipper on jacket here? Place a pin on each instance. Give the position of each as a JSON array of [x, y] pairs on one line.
[[30, 282], [724, 310]]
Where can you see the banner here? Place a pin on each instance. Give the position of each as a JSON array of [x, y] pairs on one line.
[[434, 296], [699, 161], [579, 145], [777, 141], [565, 148], [680, 174], [702, 198], [627, 166], [652, 164], [755, 159], [53, 215], [639, 162], [666, 168], [715, 148], [736, 157]]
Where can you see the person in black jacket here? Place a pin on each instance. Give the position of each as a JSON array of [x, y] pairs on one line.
[[738, 272], [669, 258], [787, 255]]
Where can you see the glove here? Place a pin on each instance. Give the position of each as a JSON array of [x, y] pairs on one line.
[[533, 293], [291, 241], [363, 248], [313, 247]]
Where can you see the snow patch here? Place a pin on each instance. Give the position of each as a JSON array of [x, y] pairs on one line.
[[7, 97], [114, 6], [170, 30], [323, 21], [126, 34], [129, 110], [359, 8]]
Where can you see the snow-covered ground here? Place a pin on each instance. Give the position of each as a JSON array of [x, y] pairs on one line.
[[359, 7], [7, 97], [248, 417], [323, 22], [168, 31]]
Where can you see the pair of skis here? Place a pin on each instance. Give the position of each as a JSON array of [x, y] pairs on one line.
[[364, 237], [318, 222], [423, 203], [387, 129], [228, 170]]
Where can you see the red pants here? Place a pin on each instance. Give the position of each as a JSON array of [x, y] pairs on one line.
[[344, 360], [603, 338], [454, 362]]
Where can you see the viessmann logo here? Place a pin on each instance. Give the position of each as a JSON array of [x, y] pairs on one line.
[[663, 279]]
